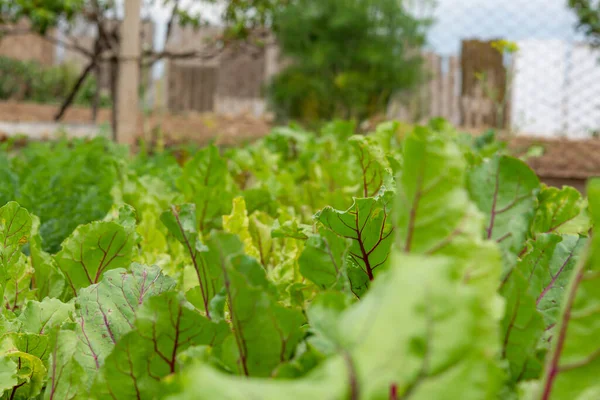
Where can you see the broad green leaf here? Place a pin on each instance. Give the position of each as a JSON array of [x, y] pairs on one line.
[[434, 215], [366, 224], [375, 172], [166, 325], [427, 358], [15, 274], [324, 314], [207, 259], [18, 286], [324, 258], [522, 329], [124, 215], [106, 311], [33, 344], [202, 382], [15, 229], [557, 256], [259, 226], [8, 321], [206, 182], [8, 374], [533, 291], [181, 223], [48, 279], [433, 211], [573, 364], [30, 369], [238, 223], [561, 211], [291, 229], [264, 333], [505, 190], [66, 377], [92, 250], [41, 317]]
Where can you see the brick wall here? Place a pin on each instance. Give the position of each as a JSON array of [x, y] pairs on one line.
[[27, 47]]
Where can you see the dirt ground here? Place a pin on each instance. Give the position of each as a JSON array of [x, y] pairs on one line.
[[176, 128]]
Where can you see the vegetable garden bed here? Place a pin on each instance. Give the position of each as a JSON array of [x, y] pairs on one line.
[[423, 265]]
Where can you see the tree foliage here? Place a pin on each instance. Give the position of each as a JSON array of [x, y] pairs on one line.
[[346, 57], [588, 16]]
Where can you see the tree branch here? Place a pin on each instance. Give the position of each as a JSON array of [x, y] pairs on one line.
[[67, 102], [171, 20]]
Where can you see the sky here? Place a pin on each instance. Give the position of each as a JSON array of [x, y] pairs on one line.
[[509, 19], [458, 19]]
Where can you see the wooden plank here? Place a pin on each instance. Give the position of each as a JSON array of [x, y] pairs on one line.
[[435, 69], [454, 101], [480, 57]]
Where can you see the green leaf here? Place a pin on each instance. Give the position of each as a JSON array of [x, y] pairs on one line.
[[375, 173], [181, 222], [324, 314], [206, 181], [238, 223], [269, 252], [48, 279], [92, 250], [290, 229], [424, 359], [203, 382], [18, 287], [106, 311], [573, 363], [42, 317], [66, 377], [33, 344], [505, 189], [264, 333], [15, 229], [8, 374], [533, 291], [323, 260], [427, 358], [433, 211], [30, 370], [522, 329], [561, 211], [206, 259], [15, 274], [166, 326], [365, 223]]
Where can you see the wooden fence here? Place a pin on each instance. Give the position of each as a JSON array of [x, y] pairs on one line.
[[191, 87], [468, 91]]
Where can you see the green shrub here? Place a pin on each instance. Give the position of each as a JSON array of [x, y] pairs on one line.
[[30, 81]]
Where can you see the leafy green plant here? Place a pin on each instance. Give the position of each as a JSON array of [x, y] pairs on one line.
[[427, 265]]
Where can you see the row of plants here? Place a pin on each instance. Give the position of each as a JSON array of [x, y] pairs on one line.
[[409, 263]]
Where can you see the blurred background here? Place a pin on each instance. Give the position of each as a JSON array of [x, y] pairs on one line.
[[233, 68]]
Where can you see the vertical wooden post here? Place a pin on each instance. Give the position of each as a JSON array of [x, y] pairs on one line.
[[129, 70], [480, 57]]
